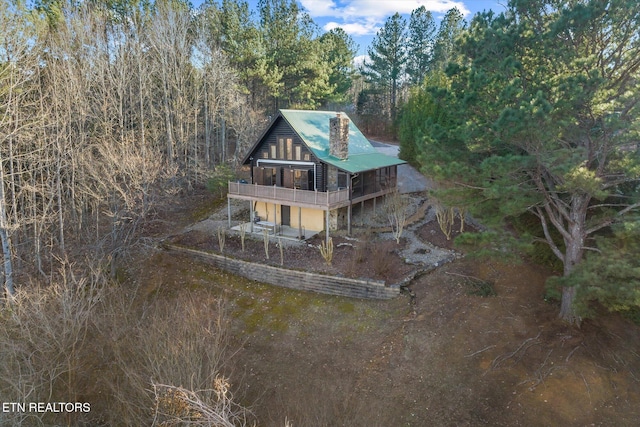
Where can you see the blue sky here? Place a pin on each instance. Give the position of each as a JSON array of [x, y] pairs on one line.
[[361, 19]]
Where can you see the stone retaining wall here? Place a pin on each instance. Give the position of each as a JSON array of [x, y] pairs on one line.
[[293, 279]]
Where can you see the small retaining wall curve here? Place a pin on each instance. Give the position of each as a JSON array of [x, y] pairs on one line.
[[301, 280]]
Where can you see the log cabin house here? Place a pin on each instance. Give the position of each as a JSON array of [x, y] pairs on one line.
[[308, 170]]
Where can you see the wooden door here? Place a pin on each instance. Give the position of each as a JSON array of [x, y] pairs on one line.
[[286, 215]]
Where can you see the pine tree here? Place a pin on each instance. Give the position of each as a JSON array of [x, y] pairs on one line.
[[420, 44], [444, 48], [387, 58], [423, 114], [292, 49], [338, 50], [543, 121]]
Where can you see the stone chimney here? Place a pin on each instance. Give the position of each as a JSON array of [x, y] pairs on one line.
[[339, 136]]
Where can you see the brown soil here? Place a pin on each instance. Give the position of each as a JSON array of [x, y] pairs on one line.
[[366, 258], [445, 357]]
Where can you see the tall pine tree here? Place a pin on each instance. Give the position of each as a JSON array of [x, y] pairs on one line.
[[420, 43], [387, 58], [444, 49], [292, 49], [544, 122], [338, 50]]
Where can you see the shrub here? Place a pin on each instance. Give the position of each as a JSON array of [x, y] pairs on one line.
[[445, 217], [326, 250], [45, 345], [222, 238], [84, 335], [395, 208], [381, 260], [174, 348]]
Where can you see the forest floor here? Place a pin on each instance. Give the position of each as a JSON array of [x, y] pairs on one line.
[[454, 354]]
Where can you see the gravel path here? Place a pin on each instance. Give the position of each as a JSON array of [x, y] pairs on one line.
[[418, 251]]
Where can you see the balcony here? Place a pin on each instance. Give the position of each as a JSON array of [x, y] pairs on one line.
[[307, 199], [290, 196]]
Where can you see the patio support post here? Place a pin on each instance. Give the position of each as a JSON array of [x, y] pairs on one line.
[[229, 211], [251, 215], [300, 235], [275, 218], [350, 209], [326, 226]]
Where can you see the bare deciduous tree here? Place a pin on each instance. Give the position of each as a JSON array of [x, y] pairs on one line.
[[98, 106], [122, 179], [18, 64], [445, 217], [171, 43], [395, 208]]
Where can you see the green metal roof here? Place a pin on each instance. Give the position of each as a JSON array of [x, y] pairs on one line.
[[313, 128]]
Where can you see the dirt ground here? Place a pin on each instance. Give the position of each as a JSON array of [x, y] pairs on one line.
[[366, 257], [445, 357]]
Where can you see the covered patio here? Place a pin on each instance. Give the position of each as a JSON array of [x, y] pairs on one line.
[[279, 231]]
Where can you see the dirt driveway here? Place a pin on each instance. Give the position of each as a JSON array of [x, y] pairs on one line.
[[409, 179]]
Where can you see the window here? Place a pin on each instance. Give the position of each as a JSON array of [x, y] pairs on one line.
[[273, 152], [356, 183], [382, 178], [297, 178], [307, 157], [342, 180], [289, 149], [270, 178], [298, 152], [303, 179], [280, 148]]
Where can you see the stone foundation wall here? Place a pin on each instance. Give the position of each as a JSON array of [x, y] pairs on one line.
[[300, 280]]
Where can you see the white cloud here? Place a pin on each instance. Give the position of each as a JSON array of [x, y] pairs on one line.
[[365, 17], [359, 60], [382, 9], [376, 8], [363, 28], [318, 8]]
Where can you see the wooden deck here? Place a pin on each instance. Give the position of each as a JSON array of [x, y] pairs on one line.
[[292, 197]]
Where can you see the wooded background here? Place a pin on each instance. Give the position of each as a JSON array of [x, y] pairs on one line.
[[107, 108]]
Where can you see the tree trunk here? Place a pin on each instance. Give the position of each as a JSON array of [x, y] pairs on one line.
[[207, 130], [567, 312], [60, 203], [223, 138], [5, 239], [574, 252], [167, 120]]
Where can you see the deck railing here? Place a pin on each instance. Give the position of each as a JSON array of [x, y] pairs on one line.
[[326, 200]]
